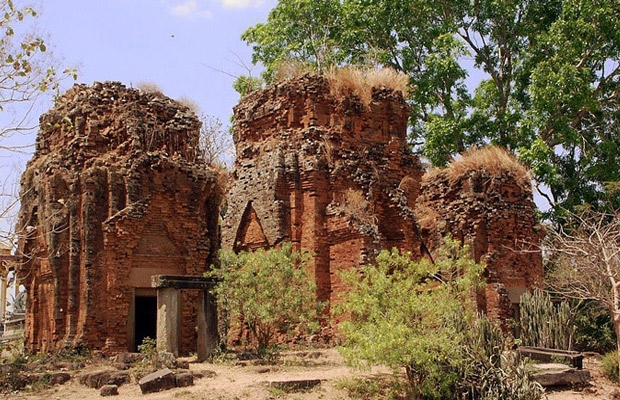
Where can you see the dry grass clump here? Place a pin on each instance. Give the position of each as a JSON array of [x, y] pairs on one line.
[[426, 217], [149, 87], [355, 205], [189, 103], [347, 80], [291, 70], [493, 159]]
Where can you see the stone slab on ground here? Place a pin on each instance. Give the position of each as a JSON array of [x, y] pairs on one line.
[[556, 375], [109, 390], [163, 379], [184, 379], [97, 379], [295, 385]]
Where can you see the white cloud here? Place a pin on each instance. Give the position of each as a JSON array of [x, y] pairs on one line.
[[240, 3], [190, 9]]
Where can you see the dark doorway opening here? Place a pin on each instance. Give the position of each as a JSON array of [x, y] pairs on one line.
[[146, 319]]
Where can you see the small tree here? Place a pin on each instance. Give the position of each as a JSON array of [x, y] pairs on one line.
[[583, 261], [270, 291], [405, 314], [215, 142]]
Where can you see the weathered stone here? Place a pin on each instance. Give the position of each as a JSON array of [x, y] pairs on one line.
[[109, 390], [545, 355], [551, 375], [184, 379], [116, 192], [126, 358], [336, 177], [485, 201], [163, 379], [295, 385], [59, 378], [322, 173], [98, 379], [204, 374]]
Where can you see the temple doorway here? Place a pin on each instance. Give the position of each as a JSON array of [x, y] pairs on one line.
[[146, 319]]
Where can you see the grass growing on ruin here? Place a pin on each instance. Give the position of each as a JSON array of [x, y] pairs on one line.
[[361, 82], [493, 159]]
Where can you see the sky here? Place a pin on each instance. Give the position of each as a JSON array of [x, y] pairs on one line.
[[178, 44], [189, 48]]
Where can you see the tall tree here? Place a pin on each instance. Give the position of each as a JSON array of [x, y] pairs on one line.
[[549, 76]]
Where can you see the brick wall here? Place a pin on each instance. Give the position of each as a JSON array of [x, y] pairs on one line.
[[115, 193]]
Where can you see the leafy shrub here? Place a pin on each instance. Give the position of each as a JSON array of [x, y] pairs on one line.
[[395, 305], [594, 330], [420, 317], [609, 366], [270, 291]]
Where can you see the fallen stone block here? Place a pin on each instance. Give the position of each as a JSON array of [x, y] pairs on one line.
[[98, 379], [184, 379], [109, 390], [551, 375], [157, 381], [297, 385], [546, 355], [204, 374], [58, 378]]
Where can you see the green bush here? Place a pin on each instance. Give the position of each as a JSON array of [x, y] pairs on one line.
[[594, 330], [420, 317], [487, 372], [404, 314], [609, 366], [269, 291]]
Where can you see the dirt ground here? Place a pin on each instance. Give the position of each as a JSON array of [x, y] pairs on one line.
[[246, 380]]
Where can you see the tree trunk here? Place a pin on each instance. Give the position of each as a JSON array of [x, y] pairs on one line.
[[617, 329]]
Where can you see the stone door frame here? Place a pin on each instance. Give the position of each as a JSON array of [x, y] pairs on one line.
[[169, 316]]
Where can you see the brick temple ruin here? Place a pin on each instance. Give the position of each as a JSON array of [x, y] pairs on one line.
[[115, 194], [335, 176], [119, 211]]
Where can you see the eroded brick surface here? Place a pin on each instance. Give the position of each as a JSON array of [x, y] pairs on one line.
[[336, 178], [322, 173], [115, 193], [492, 211]]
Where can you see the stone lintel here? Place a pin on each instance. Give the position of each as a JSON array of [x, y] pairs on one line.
[[183, 282]]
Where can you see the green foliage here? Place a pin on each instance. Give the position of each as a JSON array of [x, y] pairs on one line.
[[270, 291], [609, 366], [26, 70], [386, 388], [148, 347], [151, 358], [487, 372], [420, 317], [247, 84], [297, 30], [12, 378], [393, 306], [544, 324], [594, 330], [550, 70]]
